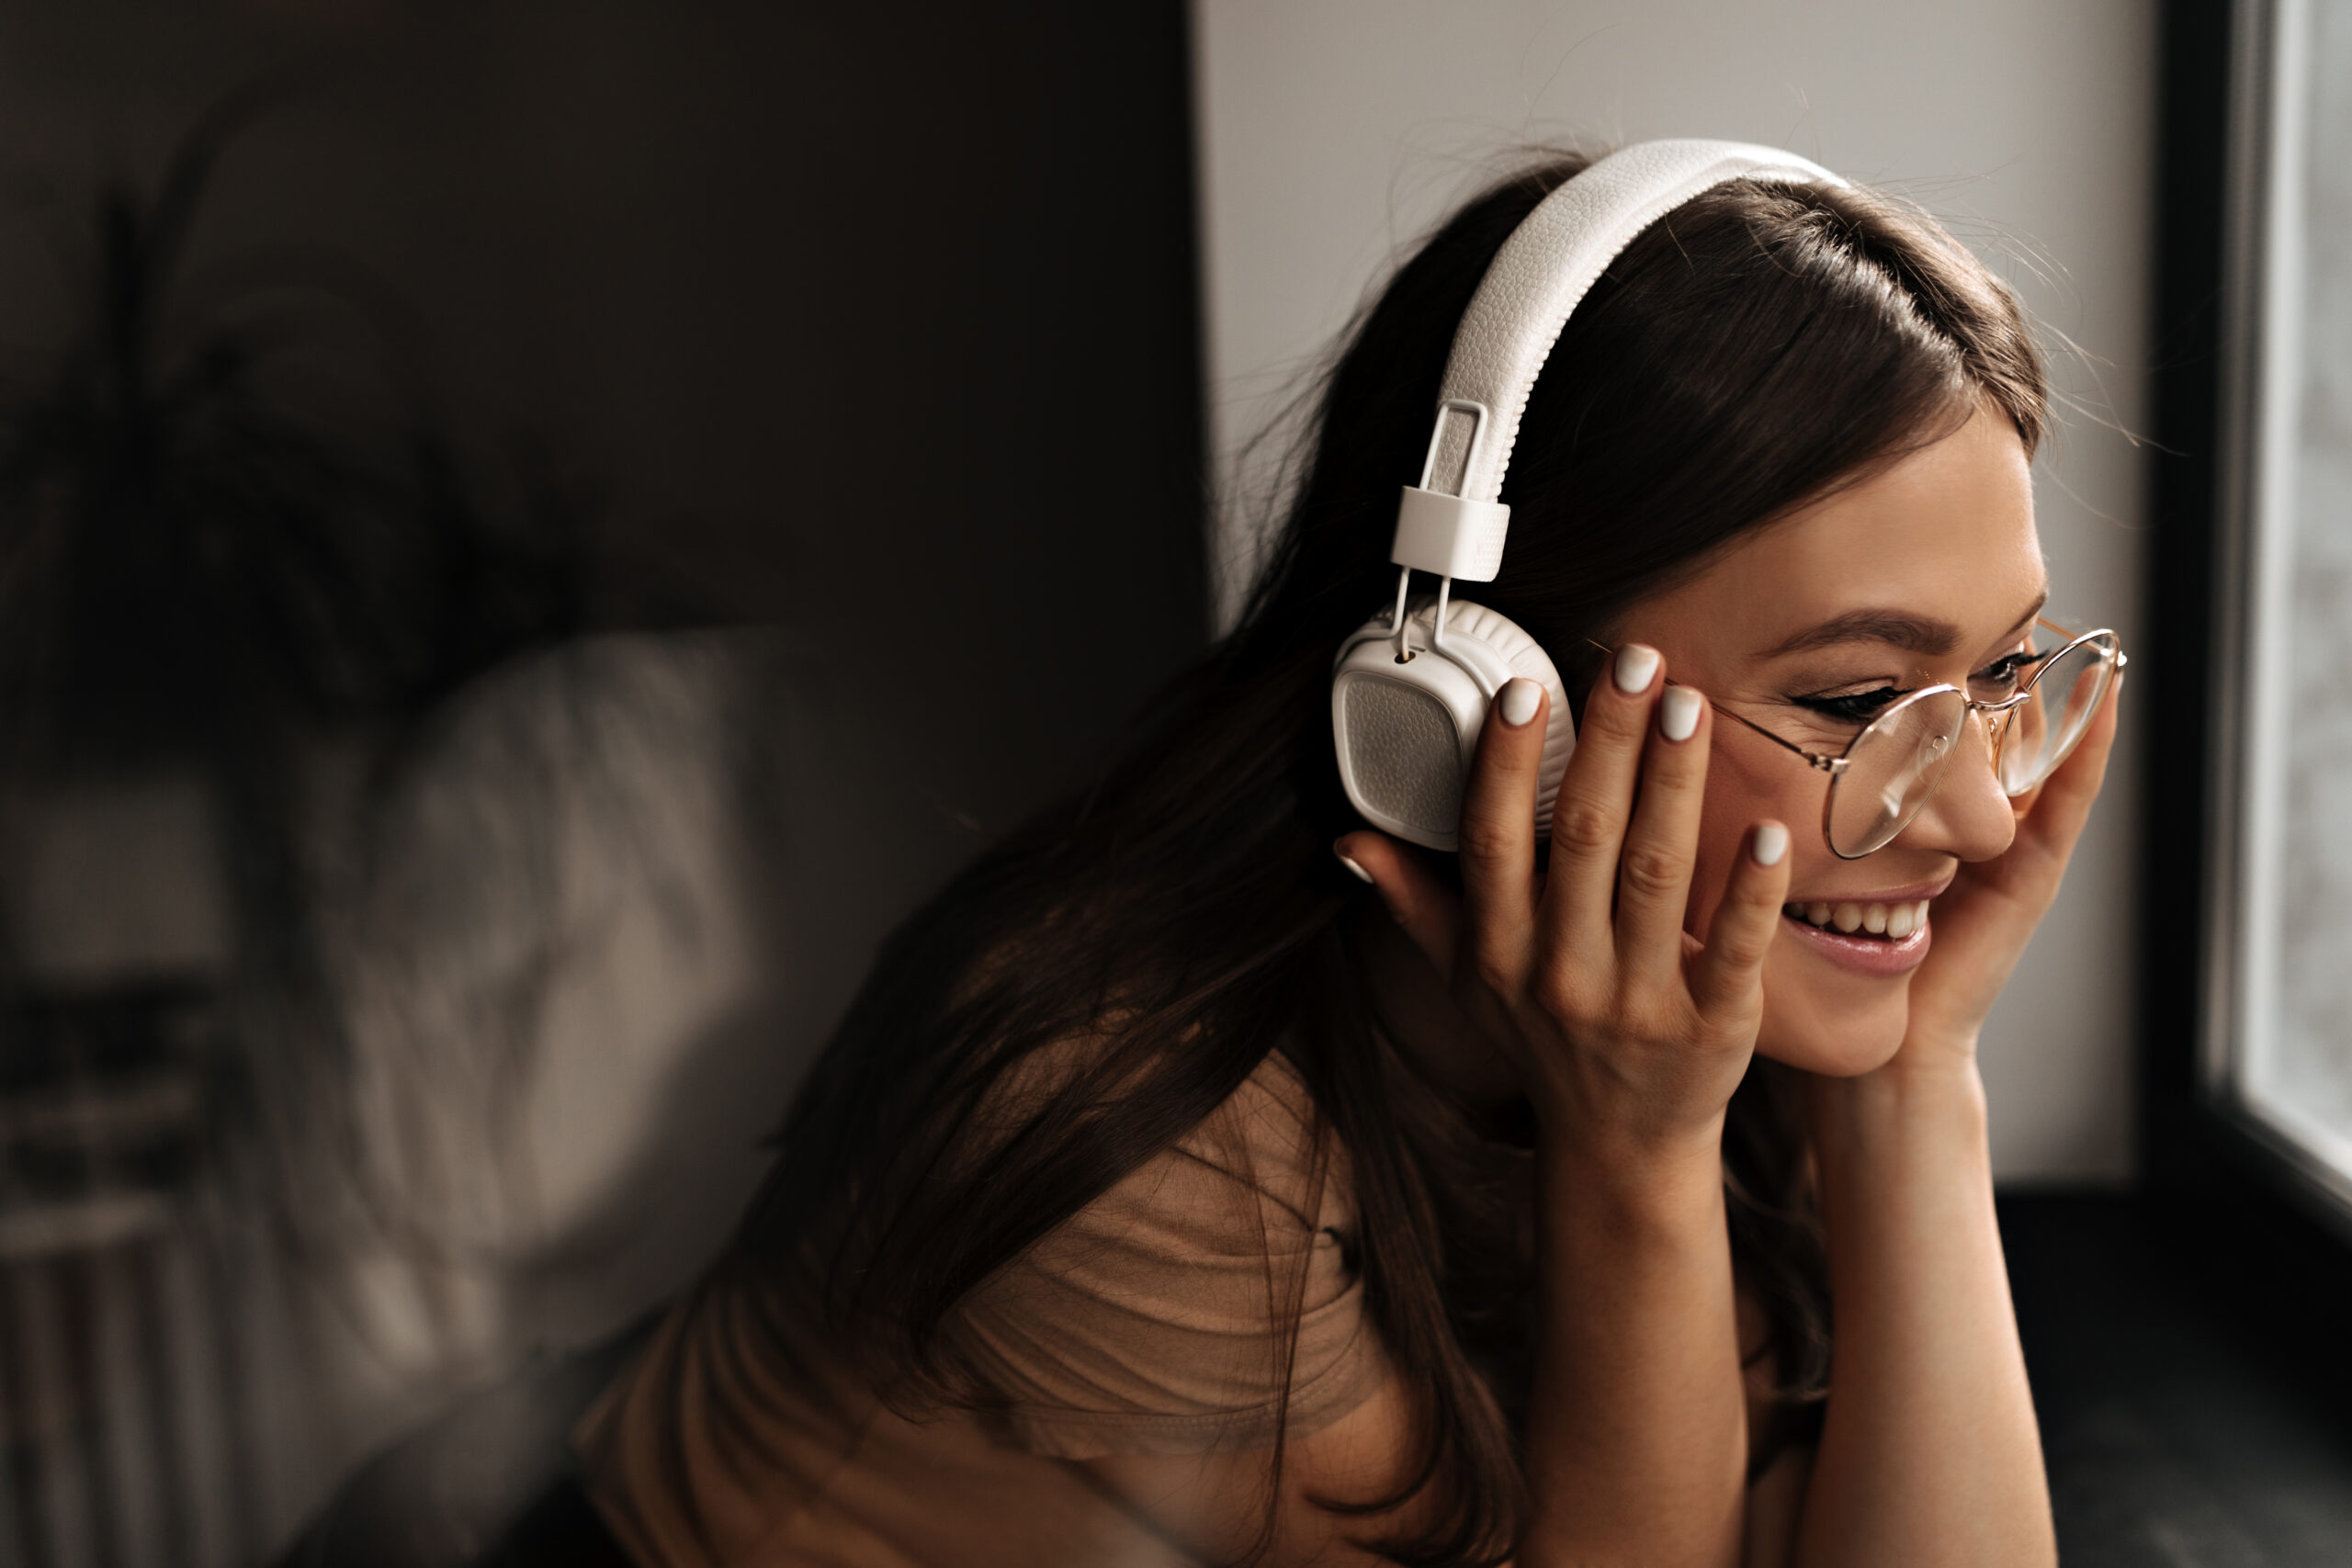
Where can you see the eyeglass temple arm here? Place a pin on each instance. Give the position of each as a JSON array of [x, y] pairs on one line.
[[1814, 760]]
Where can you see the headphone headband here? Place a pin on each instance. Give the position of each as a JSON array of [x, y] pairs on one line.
[[1451, 523]]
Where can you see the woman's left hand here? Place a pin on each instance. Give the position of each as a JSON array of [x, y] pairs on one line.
[[1984, 919]]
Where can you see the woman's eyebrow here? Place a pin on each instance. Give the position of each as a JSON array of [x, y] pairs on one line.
[[1923, 635], [1899, 628]]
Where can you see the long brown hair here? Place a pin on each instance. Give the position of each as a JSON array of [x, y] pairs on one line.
[[1184, 916]]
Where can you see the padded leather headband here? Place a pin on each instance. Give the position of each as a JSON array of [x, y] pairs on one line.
[[1543, 270]]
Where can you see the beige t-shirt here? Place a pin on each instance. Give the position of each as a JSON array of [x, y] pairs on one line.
[[1143, 1324]]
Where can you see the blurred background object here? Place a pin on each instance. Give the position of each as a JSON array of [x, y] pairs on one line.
[[210, 596], [529, 535]]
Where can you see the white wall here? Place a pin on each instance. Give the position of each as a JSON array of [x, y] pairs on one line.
[[1334, 131]]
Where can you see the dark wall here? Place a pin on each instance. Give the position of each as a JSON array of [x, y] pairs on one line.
[[879, 317], [874, 321]]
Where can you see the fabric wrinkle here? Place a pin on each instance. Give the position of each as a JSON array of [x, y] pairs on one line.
[[1149, 1323]]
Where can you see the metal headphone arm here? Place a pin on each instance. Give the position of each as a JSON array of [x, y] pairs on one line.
[[1440, 527]]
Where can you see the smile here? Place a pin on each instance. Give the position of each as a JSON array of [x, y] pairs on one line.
[[1883, 940], [1894, 921]]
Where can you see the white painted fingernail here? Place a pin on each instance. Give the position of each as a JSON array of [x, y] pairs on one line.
[[1361, 874], [1679, 712], [1635, 666], [1771, 843], [1517, 700]]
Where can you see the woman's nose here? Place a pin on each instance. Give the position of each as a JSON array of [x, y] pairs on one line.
[[1968, 816]]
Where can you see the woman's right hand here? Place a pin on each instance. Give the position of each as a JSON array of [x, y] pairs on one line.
[[1626, 1031]]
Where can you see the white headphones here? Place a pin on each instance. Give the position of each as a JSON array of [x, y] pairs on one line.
[[1409, 690]]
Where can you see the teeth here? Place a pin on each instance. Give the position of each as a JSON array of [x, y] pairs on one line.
[[1894, 921]]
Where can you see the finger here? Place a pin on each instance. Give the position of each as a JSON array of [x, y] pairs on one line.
[[1726, 978], [1596, 798], [1497, 842], [1662, 844], [1430, 912], [2062, 803]]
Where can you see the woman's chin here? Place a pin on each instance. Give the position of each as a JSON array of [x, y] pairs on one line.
[[1841, 1037], [1847, 1056]]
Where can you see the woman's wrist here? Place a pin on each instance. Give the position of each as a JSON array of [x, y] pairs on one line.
[[1595, 1118], [1625, 1182], [1928, 1108], [1918, 1077]]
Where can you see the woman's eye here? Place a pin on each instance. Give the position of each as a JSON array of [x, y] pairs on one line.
[[1854, 707], [2002, 677]]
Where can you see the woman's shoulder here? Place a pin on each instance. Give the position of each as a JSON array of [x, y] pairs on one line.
[[1263, 1158], [1213, 1286], [1268, 1142], [1267, 1135]]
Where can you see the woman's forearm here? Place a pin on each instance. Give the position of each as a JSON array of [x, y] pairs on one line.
[[1929, 1454], [1637, 1444]]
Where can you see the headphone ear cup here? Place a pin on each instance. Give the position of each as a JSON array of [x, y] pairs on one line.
[[1523, 656], [1406, 732]]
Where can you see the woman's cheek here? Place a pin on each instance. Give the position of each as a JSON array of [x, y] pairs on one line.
[[1814, 1017], [1737, 800]]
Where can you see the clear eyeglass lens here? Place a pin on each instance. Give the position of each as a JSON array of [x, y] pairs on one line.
[[1892, 769], [2058, 708]]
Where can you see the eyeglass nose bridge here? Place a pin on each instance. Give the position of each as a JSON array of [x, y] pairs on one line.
[[1996, 715]]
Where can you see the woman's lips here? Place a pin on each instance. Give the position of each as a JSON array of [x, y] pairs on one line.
[[1880, 958]]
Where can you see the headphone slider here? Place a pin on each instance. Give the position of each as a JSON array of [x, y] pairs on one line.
[[1449, 536]]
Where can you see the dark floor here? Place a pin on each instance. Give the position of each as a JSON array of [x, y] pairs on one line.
[[2187, 1424]]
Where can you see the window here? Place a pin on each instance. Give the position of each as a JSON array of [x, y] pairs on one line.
[[2276, 1052]]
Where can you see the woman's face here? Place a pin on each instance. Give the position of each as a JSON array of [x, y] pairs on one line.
[[1929, 571]]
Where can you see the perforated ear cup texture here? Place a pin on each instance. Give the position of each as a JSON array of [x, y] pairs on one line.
[[1403, 755], [1406, 732]]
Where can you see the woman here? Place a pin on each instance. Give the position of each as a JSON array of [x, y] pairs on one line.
[[1181, 1190]]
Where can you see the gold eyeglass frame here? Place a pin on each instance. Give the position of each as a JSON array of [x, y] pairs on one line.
[[2113, 660]]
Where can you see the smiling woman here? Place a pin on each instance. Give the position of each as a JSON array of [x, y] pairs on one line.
[[1178, 1192]]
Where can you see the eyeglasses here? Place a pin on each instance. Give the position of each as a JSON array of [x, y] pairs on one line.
[[1888, 773]]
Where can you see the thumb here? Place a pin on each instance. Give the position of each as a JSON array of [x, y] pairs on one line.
[[1429, 910]]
